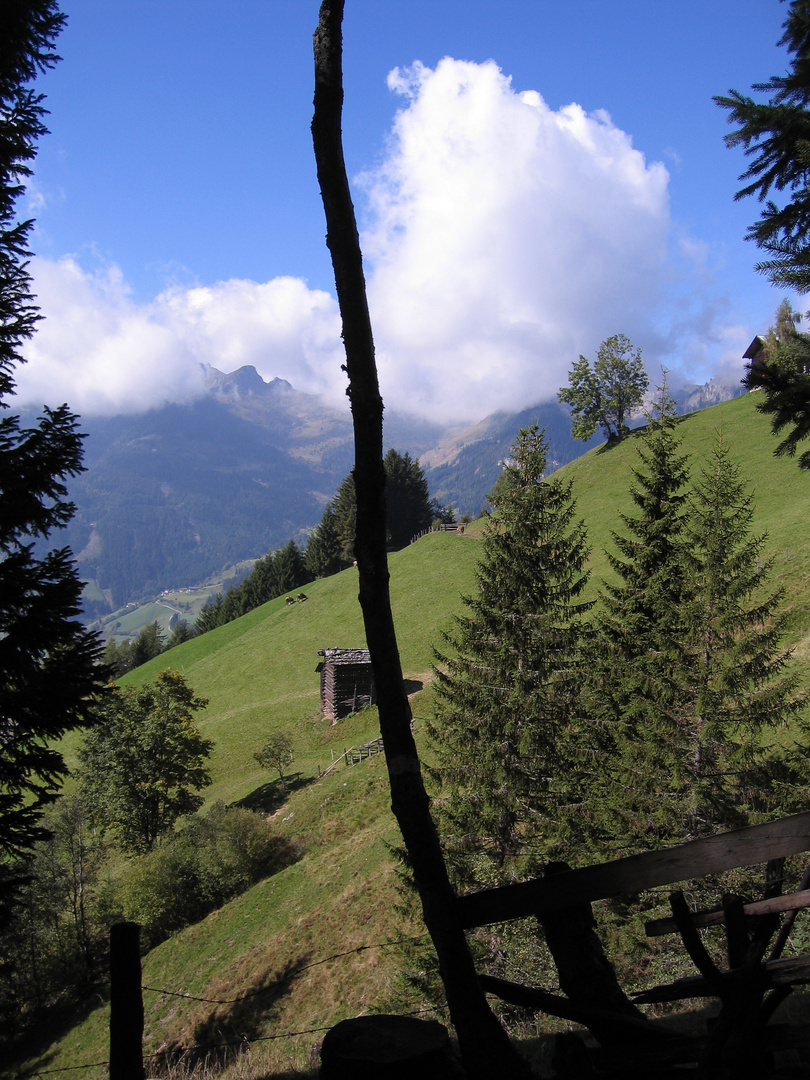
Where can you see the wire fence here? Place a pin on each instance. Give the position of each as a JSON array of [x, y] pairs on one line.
[[29, 1074]]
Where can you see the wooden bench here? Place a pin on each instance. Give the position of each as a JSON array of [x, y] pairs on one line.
[[749, 990]]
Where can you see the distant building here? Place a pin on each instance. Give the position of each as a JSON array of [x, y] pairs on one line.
[[755, 354], [347, 681]]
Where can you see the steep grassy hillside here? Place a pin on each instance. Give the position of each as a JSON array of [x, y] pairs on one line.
[[781, 491], [301, 951]]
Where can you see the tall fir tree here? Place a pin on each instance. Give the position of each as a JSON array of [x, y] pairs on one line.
[[408, 509], [509, 676], [636, 699], [783, 376], [344, 505], [48, 669], [776, 135], [741, 689], [322, 556]]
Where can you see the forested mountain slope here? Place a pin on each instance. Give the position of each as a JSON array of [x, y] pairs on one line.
[[178, 493]]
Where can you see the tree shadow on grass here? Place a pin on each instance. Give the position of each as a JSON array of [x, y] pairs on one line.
[[267, 798], [33, 1047], [413, 686], [230, 1026]]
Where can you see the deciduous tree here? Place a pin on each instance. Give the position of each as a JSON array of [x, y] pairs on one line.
[[143, 763], [277, 754], [603, 394]]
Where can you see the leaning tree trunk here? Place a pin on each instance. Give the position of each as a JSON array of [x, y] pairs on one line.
[[485, 1047]]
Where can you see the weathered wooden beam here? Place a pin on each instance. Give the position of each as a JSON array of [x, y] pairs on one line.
[[715, 916], [788, 971], [710, 855], [693, 945], [533, 997]]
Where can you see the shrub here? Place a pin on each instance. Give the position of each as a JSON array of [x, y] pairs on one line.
[[208, 862]]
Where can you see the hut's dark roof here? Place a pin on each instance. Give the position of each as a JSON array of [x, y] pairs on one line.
[[346, 656]]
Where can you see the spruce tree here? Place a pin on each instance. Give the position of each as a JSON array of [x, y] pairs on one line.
[[48, 669], [408, 509], [344, 505], [776, 136], [322, 556], [741, 690], [509, 674], [783, 376], [636, 790]]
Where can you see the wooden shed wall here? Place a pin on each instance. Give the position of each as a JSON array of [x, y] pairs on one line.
[[346, 685]]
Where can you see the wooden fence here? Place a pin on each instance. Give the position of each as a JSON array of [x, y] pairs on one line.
[[741, 1042], [454, 527], [354, 755]]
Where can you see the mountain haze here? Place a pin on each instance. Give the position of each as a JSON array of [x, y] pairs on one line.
[[172, 496]]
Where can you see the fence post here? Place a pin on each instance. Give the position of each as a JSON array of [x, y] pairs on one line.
[[126, 1003]]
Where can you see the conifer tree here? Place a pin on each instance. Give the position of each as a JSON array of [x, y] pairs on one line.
[[508, 678], [322, 557], [784, 377], [48, 661], [288, 571], [776, 135], [408, 509], [181, 633], [741, 689], [635, 694], [344, 505]]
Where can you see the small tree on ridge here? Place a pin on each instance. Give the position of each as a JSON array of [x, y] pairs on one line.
[[603, 394]]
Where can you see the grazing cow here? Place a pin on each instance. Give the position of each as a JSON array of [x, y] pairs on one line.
[[289, 600], [460, 530], [301, 596]]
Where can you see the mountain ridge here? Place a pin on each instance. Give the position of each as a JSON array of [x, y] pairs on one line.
[[173, 495]]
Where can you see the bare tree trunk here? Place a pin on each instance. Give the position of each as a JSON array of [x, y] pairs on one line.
[[485, 1047]]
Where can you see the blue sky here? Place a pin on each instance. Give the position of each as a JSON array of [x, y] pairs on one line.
[[533, 178]]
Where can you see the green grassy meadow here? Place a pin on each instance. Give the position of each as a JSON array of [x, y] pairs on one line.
[[291, 941]]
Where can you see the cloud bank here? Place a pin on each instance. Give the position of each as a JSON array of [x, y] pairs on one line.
[[104, 354], [501, 238]]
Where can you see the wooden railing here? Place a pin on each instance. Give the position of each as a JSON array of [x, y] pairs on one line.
[[750, 990], [354, 755]]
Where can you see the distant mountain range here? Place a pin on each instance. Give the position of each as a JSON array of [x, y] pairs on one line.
[[171, 496]]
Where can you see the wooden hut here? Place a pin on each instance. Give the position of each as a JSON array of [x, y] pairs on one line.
[[347, 681]]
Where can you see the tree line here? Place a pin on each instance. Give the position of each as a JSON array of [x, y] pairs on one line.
[[581, 730], [330, 548]]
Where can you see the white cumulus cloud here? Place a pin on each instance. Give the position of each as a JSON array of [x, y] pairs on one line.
[[505, 239], [103, 353], [502, 239]]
